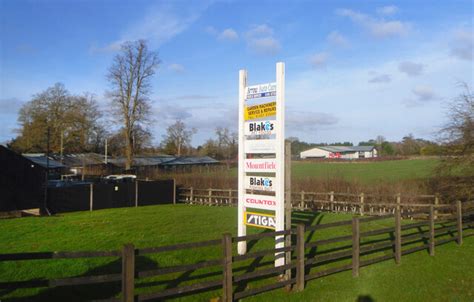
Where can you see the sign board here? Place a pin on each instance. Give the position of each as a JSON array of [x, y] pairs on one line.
[[260, 146], [260, 165], [263, 202], [262, 131], [260, 91], [260, 220], [260, 183], [260, 111], [260, 128]]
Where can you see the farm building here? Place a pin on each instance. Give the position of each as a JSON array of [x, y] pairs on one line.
[[153, 163], [93, 163], [23, 178], [343, 152]]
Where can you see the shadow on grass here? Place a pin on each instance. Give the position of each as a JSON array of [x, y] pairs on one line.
[[87, 292]]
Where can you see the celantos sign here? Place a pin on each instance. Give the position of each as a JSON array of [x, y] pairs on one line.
[[261, 158]]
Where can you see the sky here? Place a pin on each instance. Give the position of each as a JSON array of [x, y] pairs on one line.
[[354, 69]]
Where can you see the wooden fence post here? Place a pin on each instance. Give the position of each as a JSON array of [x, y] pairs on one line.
[[436, 203], [300, 257], [432, 232], [174, 191], [331, 199], [302, 200], [399, 197], [227, 268], [191, 195], [361, 207], [128, 272], [355, 246], [230, 196], [136, 193], [459, 220], [91, 197], [398, 236], [210, 196]]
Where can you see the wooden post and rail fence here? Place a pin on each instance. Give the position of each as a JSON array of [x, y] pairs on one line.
[[360, 203], [308, 257]]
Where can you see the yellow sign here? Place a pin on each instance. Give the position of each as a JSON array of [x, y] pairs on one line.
[[260, 111], [260, 220]]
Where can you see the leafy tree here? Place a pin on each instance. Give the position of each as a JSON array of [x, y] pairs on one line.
[[130, 76], [73, 121]]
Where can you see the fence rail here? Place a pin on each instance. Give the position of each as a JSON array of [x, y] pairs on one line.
[[361, 203], [308, 259]]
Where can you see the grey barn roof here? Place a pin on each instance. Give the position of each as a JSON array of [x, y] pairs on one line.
[[165, 160], [151, 160], [79, 159], [41, 160], [346, 148], [191, 160]]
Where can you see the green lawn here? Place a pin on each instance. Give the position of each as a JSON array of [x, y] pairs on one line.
[[446, 277], [366, 172], [392, 170]]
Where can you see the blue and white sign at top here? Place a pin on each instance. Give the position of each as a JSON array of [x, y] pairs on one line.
[[260, 91]]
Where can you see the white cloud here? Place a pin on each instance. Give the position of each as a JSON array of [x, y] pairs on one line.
[[259, 30], [260, 40], [318, 60], [411, 69], [264, 46], [178, 68], [379, 28], [337, 39], [424, 93], [462, 46], [211, 30], [159, 25], [387, 10], [381, 78], [303, 119], [228, 35]]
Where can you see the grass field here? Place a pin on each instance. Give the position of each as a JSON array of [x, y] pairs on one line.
[[446, 277], [367, 172]]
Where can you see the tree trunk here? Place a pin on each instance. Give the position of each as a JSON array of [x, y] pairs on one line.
[[128, 150]]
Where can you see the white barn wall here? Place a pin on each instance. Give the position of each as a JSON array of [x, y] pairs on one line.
[[321, 153], [314, 153]]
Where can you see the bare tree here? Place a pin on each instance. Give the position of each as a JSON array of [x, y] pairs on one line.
[[177, 138], [130, 76], [457, 136]]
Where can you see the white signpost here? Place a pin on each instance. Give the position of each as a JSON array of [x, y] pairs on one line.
[[262, 150]]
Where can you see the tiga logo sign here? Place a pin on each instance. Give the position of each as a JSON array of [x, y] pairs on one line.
[[260, 128], [259, 220], [260, 183]]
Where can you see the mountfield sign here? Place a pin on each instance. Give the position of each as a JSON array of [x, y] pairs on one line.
[[260, 202], [260, 183], [261, 91], [259, 111], [260, 220], [260, 128], [260, 165], [260, 146]]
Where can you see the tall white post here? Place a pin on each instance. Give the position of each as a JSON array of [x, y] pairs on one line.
[[280, 159], [242, 228]]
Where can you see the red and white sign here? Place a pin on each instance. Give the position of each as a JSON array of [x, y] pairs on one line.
[[260, 165], [262, 202]]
